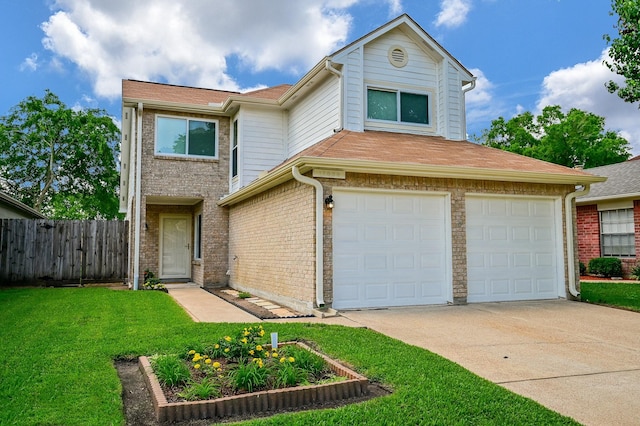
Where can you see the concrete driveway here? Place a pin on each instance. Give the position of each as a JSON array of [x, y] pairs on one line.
[[577, 359]]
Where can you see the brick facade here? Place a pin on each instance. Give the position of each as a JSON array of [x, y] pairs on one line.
[[185, 186], [272, 235]]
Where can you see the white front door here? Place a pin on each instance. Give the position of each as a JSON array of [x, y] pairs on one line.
[[514, 248], [175, 248], [390, 248]]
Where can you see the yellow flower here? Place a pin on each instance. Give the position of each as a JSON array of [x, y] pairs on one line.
[[266, 354], [251, 352], [275, 355], [227, 338], [207, 361], [196, 366], [244, 340], [282, 360], [259, 348], [246, 333], [196, 358], [226, 349], [217, 346], [261, 333], [191, 352], [291, 359], [216, 364]]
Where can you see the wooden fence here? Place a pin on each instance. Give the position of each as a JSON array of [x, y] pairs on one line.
[[50, 252]]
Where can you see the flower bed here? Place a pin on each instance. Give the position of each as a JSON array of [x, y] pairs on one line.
[[241, 376]]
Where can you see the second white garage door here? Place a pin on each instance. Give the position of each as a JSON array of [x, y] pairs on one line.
[[390, 249], [514, 249]]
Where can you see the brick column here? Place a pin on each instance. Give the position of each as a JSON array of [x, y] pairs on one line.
[[588, 225]]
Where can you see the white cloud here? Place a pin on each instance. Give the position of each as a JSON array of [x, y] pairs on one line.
[[453, 13], [190, 43], [582, 86], [481, 103], [30, 63]]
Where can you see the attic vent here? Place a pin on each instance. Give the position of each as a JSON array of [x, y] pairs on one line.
[[398, 56]]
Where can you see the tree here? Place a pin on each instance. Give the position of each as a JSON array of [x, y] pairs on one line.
[[625, 50], [577, 138], [60, 161]]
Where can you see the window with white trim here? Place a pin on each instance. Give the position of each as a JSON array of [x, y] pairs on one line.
[[186, 137], [617, 237], [197, 237], [234, 150], [397, 106]]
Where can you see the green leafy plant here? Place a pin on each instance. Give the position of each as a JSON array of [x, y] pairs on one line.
[[288, 373], [606, 266], [171, 370], [250, 376], [635, 272], [306, 360], [206, 389], [244, 295], [583, 269], [151, 282]]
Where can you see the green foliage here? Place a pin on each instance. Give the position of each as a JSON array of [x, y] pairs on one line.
[[244, 295], [622, 295], [289, 373], [572, 139], [170, 369], [635, 271], [250, 376], [625, 49], [306, 360], [606, 266], [206, 389], [56, 368], [583, 269], [151, 282], [60, 161]]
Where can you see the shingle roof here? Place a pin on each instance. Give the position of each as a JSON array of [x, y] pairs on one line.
[[428, 151], [623, 179], [171, 93]]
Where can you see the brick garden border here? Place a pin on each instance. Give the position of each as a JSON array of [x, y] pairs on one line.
[[256, 402]]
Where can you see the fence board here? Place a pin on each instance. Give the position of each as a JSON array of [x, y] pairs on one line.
[[36, 251]]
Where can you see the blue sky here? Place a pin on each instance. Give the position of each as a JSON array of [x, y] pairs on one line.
[[526, 54]]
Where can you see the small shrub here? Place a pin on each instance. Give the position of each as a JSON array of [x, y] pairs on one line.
[[206, 389], [151, 282], [244, 295], [306, 360], [250, 376], [170, 369], [635, 272], [606, 266], [287, 374], [583, 269]]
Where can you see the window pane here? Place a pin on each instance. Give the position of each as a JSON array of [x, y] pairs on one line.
[[618, 237], [234, 150], [172, 135], [202, 138], [414, 108], [382, 105]]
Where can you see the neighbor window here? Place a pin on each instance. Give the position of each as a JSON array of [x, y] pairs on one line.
[[234, 150], [197, 238], [186, 137], [403, 107], [617, 235]]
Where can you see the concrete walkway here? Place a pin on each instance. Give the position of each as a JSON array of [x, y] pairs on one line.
[[577, 359]]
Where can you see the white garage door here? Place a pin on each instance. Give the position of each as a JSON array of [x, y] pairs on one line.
[[514, 249], [390, 249]]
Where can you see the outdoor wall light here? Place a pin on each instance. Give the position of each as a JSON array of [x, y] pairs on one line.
[[328, 202]]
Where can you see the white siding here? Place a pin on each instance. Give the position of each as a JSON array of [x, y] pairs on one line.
[[455, 105], [354, 91], [261, 143], [315, 117]]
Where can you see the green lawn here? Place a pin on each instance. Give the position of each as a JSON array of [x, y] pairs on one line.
[[624, 295], [58, 345]]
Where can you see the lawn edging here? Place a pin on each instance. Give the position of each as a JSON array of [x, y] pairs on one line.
[[256, 402]]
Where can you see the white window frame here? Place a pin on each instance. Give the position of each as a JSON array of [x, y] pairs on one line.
[[186, 155], [235, 141], [398, 92], [627, 234]]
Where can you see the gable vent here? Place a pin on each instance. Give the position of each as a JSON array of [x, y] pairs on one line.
[[398, 56]]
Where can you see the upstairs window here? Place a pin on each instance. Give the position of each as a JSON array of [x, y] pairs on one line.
[[397, 106], [186, 137], [617, 234], [234, 150]]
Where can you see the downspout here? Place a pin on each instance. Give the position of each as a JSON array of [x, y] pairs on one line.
[[136, 247], [571, 262], [319, 232], [329, 67]]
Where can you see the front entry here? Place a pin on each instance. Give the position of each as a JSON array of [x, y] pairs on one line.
[[175, 248]]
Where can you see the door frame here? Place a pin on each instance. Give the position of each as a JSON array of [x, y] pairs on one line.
[[189, 235]]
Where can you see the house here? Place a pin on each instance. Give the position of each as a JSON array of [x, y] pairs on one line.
[[10, 208], [608, 217], [352, 188]]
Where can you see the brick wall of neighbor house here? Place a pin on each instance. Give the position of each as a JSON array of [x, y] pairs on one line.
[[272, 251], [203, 179], [458, 189], [588, 232]]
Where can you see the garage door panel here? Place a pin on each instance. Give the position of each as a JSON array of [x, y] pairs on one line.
[[398, 249], [515, 256]]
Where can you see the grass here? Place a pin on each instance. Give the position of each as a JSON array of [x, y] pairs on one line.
[[58, 346], [622, 295]]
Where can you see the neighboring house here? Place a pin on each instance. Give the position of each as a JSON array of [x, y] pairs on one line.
[[10, 208], [608, 216], [353, 188]]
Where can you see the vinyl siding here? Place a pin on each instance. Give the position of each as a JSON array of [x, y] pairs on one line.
[[455, 107], [354, 92], [261, 144], [315, 117]]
